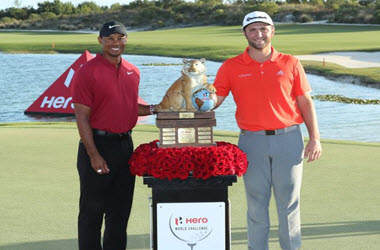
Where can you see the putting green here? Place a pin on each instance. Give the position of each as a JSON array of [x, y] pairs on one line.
[[39, 191]]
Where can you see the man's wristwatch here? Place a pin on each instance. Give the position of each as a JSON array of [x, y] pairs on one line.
[[151, 109]]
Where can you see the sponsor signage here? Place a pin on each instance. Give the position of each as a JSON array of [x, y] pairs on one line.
[[193, 226], [57, 100]]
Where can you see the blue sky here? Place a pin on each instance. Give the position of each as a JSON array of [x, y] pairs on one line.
[[4, 4]]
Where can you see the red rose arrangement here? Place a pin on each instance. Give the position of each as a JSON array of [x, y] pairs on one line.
[[204, 162]]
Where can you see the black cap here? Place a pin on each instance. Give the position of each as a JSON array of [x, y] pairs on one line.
[[111, 28]]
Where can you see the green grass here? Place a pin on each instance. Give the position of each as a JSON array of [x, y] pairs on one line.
[[42, 42], [367, 76], [221, 42], [213, 43], [39, 191]]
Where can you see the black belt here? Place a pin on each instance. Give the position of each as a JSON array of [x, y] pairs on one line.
[[125, 135], [272, 132]]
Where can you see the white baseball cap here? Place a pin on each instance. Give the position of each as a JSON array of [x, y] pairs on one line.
[[257, 17]]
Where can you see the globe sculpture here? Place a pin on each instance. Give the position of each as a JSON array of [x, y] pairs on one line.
[[204, 100]]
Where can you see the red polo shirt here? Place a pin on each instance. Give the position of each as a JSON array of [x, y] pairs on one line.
[[111, 93], [264, 93]]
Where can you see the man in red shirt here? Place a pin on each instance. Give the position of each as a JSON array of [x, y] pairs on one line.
[[272, 98], [105, 94]]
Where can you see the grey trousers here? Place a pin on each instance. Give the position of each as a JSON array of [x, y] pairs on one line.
[[275, 161]]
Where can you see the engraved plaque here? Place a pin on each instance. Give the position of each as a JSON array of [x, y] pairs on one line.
[[204, 133], [186, 135], [168, 138], [187, 115], [203, 129], [168, 130], [204, 141], [168, 142], [182, 129], [168, 134], [203, 137]]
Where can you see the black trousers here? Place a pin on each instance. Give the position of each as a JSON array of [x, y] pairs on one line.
[[109, 195]]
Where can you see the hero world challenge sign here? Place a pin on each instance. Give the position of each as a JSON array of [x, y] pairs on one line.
[[57, 98], [198, 226]]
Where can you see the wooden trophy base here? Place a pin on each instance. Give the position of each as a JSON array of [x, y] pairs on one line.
[[181, 129]]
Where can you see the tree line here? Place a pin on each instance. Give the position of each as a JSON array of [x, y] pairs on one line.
[[156, 14]]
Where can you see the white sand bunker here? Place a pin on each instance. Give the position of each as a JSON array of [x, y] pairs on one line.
[[347, 59]]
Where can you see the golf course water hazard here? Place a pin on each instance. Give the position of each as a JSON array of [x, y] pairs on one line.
[[24, 77]]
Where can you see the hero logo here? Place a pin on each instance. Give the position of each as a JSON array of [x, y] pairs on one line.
[[56, 102], [179, 220]]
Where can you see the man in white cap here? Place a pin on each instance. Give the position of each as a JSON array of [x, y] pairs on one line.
[[271, 92]]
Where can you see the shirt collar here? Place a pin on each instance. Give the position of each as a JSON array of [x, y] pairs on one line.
[[247, 59], [106, 62]]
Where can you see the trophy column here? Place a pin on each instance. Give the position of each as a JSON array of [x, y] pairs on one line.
[[189, 175], [191, 213]]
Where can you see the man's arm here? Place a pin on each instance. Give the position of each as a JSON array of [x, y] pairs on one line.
[[82, 114], [145, 109], [313, 149], [220, 101]]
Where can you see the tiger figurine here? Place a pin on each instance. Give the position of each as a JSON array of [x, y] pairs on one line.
[[178, 96]]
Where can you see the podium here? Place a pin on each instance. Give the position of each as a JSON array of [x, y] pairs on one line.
[[191, 213], [189, 175]]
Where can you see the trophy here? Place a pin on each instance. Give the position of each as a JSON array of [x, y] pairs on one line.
[[184, 115]]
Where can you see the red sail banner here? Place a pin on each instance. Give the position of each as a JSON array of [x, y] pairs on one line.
[[57, 100]]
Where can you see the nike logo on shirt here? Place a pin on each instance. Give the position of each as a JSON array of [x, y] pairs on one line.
[[130, 73]]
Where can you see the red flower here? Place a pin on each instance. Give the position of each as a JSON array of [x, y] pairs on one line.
[[203, 162]]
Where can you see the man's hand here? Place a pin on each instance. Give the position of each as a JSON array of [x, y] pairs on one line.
[[99, 164], [313, 150], [82, 114], [220, 101]]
